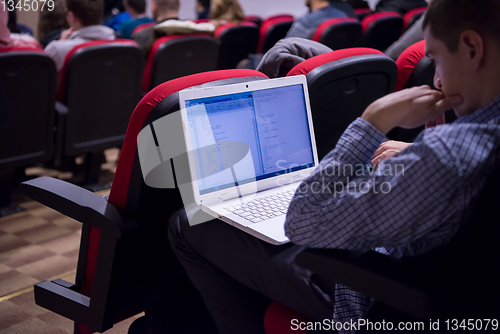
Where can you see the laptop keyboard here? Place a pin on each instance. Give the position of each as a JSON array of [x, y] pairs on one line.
[[263, 208]]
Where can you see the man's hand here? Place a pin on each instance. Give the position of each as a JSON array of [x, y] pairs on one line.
[[66, 33], [408, 108], [387, 150]]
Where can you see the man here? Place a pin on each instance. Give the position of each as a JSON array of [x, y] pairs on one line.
[[421, 207], [84, 17], [163, 10], [320, 11], [137, 10], [343, 6]]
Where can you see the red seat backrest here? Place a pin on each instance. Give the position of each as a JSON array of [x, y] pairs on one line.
[[62, 73], [407, 62], [372, 18], [223, 27], [146, 78], [328, 23], [310, 64], [408, 17], [267, 24]]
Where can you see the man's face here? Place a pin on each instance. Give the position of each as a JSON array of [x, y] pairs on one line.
[[451, 76]]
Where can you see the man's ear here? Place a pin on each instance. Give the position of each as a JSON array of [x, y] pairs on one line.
[[70, 17], [473, 45]]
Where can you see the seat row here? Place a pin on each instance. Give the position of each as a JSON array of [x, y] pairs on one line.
[[118, 273]]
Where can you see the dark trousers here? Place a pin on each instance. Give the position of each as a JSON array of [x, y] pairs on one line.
[[239, 275]]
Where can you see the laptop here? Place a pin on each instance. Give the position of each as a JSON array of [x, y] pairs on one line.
[[249, 146]]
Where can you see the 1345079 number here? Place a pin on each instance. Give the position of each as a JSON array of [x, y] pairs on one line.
[[27, 5]]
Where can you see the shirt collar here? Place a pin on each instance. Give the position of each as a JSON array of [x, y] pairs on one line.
[[483, 115]]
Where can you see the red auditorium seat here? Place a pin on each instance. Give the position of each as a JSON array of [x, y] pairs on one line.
[[341, 85], [176, 56], [142, 26], [272, 30], [382, 29], [99, 85], [28, 79], [341, 33], [125, 265], [236, 42], [412, 16]]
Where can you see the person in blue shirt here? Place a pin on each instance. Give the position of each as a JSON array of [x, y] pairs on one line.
[[137, 10], [320, 11]]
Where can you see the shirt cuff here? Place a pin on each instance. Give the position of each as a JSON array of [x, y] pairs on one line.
[[360, 140]]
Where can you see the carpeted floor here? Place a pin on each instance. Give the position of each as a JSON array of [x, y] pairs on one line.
[[35, 245]]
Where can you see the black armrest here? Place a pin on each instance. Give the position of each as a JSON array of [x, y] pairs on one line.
[[77, 203], [60, 128], [93, 211], [385, 279]]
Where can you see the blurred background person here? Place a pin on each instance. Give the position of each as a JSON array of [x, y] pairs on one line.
[[137, 11], [52, 23], [203, 9], [319, 12], [84, 18], [225, 11], [9, 39]]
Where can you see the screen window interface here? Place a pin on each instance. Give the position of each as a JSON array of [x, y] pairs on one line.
[[264, 132]]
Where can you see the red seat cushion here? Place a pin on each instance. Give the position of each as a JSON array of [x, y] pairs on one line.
[[146, 77], [372, 18], [278, 319], [62, 73], [310, 64], [267, 24], [407, 62], [321, 28]]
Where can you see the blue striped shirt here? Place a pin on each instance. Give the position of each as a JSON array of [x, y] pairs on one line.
[[414, 202]]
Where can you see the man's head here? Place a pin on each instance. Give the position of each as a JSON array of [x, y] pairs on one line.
[[163, 9], [463, 38], [135, 7], [82, 13]]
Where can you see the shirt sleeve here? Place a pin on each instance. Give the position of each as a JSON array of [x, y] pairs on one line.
[[346, 205]]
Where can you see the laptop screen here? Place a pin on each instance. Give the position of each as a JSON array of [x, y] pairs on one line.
[[270, 123]]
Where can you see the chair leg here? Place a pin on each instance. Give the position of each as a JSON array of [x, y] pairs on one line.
[[93, 162], [7, 182]]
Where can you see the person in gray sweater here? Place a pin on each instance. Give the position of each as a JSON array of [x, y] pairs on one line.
[[84, 17]]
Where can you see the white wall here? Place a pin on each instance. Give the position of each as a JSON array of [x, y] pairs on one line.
[[262, 8]]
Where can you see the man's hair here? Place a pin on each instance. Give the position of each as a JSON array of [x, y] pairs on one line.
[[138, 5], [167, 5], [89, 12], [447, 19]]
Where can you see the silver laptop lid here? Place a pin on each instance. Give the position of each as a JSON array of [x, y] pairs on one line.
[[247, 137]]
